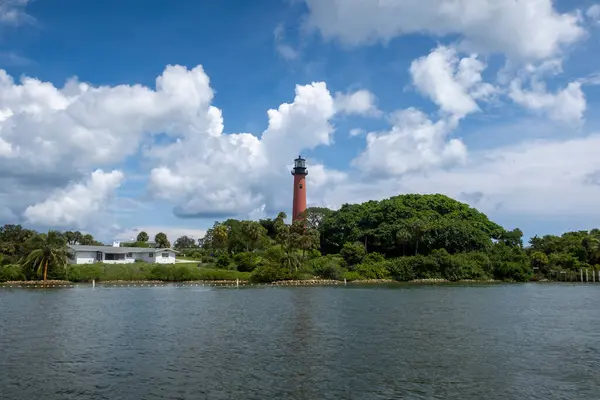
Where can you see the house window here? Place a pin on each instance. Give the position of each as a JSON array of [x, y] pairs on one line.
[[114, 257], [165, 255], [129, 255], [150, 255], [98, 256]]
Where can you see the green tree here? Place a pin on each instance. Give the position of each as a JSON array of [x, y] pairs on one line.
[[592, 248], [417, 226], [314, 216], [88, 240], [253, 234], [287, 239], [245, 262], [220, 236], [50, 252], [185, 242], [353, 253], [540, 261], [512, 238], [142, 237], [70, 236], [432, 221], [74, 237], [13, 242], [403, 238], [161, 240], [307, 239]]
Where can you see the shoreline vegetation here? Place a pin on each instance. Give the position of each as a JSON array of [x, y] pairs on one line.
[[407, 238], [305, 282], [247, 283]]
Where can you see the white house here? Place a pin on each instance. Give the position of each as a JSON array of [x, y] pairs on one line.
[[79, 254]]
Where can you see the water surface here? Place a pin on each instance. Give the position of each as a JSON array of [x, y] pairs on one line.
[[532, 341]]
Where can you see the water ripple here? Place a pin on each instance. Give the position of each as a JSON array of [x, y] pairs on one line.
[[498, 342]]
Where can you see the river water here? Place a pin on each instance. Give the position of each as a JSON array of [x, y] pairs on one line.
[[531, 341]]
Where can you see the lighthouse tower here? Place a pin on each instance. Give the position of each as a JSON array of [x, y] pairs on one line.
[[299, 173]]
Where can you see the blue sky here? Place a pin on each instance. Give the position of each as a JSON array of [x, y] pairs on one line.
[[415, 96]]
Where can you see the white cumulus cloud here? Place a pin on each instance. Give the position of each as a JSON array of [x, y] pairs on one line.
[[414, 143], [453, 84], [361, 102], [550, 180], [78, 204], [565, 105], [531, 29], [236, 173], [593, 12], [12, 12]]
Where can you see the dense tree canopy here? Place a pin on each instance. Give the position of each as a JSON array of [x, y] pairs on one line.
[[49, 253], [27, 254], [571, 251], [142, 237], [405, 238], [409, 224], [185, 242], [161, 240]]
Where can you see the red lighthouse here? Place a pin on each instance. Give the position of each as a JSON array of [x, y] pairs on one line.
[[299, 173]]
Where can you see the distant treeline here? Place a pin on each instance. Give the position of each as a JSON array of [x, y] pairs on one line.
[[405, 237]]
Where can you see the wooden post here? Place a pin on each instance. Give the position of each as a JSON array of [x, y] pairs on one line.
[[586, 275], [581, 273]]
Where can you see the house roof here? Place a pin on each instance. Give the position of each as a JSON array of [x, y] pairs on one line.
[[149, 242], [118, 250]]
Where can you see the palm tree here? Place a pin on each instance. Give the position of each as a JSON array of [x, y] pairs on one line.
[[49, 250], [403, 237], [593, 247]]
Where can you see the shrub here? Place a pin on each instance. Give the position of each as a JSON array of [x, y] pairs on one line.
[[302, 276], [540, 261], [208, 274], [373, 258], [274, 254], [246, 262], [328, 267], [269, 273], [425, 267], [465, 266], [208, 259], [353, 253], [563, 261], [441, 264], [513, 270], [374, 270], [161, 272], [401, 269], [184, 273], [223, 260], [11, 272], [84, 272], [314, 253], [352, 276]]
